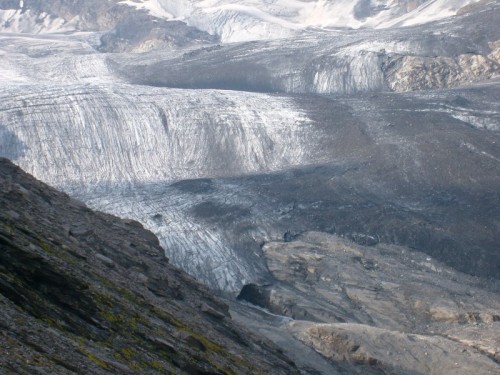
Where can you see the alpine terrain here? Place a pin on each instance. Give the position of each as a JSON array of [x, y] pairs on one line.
[[324, 174]]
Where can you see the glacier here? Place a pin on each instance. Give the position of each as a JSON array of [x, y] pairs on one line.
[[93, 134], [221, 147]]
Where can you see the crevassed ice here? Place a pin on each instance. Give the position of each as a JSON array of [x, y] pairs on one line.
[[94, 134]]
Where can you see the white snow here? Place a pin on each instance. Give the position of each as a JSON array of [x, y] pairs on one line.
[[269, 19], [153, 7], [430, 11], [50, 58]]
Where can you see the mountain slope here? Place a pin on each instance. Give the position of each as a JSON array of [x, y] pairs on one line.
[[86, 292]]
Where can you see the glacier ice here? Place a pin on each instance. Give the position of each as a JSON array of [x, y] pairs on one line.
[[95, 134]]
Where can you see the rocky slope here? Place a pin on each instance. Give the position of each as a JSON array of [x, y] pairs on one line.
[[101, 292], [85, 292], [385, 307]]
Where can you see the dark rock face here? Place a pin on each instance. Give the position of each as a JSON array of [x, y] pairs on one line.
[[84, 292], [138, 33]]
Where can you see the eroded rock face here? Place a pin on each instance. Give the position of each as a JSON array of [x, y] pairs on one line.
[[85, 292], [387, 286]]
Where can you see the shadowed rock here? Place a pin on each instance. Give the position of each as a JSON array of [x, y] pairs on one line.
[[103, 299]]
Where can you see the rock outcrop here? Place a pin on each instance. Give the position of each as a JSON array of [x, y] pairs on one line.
[[410, 73], [89, 293], [393, 352]]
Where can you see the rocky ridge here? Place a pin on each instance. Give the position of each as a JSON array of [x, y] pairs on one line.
[[85, 292]]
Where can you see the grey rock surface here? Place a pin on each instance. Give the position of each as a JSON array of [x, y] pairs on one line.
[[445, 54], [393, 352], [384, 307]]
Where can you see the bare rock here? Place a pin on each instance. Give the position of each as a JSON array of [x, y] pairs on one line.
[[83, 300], [213, 312], [410, 73], [391, 351]]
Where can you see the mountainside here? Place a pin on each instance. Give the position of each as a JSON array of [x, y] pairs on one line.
[[86, 292]]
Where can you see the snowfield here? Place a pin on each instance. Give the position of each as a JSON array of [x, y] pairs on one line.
[[236, 21]]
